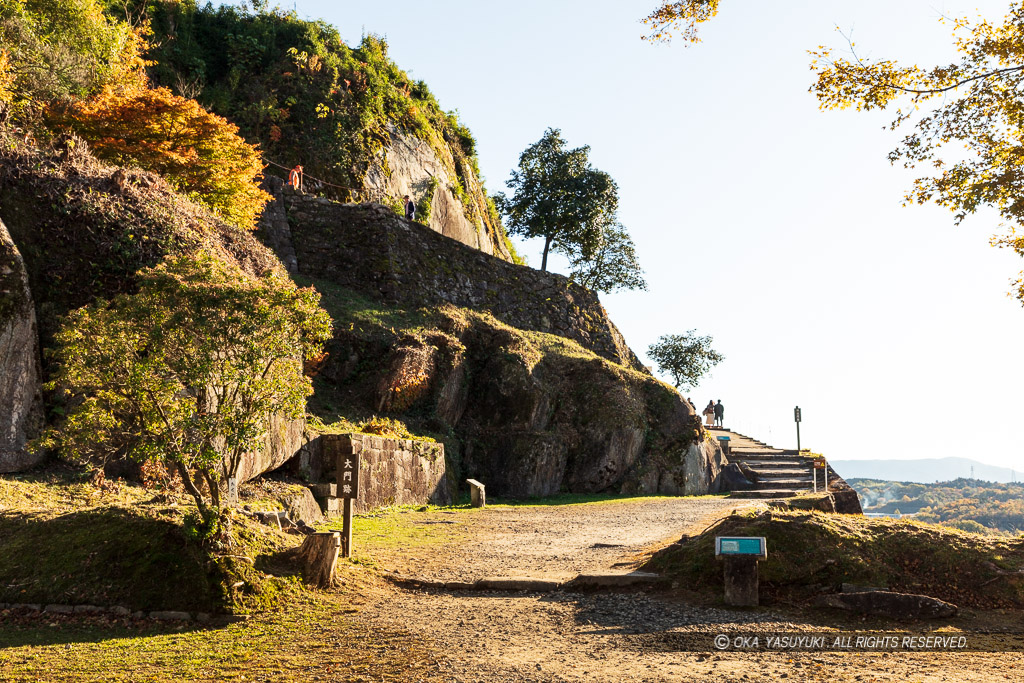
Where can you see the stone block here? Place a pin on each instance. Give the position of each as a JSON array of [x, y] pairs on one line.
[[741, 582], [170, 616], [477, 494], [59, 609]]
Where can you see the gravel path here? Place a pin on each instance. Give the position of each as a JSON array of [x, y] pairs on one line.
[[628, 635], [554, 542]]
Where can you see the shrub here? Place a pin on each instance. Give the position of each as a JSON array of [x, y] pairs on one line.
[[188, 370], [199, 153]]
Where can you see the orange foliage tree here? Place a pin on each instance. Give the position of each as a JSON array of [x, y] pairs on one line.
[[199, 153]]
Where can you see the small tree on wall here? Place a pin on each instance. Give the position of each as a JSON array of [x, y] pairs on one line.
[[685, 357], [613, 264], [559, 196], [187, 371]]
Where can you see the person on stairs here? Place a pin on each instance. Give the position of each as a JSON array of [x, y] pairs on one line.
[[719, 413], [709, 413]]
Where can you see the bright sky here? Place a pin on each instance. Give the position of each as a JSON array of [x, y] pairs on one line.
[[774, 227]]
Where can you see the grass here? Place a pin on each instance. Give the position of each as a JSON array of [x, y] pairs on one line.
[[65, 541], [312, 640], [811, 551]]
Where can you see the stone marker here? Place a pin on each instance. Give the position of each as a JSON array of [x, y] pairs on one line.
[[898, 606], [477, 495], [741, 555]]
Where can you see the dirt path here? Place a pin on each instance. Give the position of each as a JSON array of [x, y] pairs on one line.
[[554, 542], [605, 636]]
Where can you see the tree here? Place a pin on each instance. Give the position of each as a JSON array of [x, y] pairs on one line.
[[686, 357], [613, 264], [680, 18], [186, 371], [559, 197], [199, 153], [976, 112], [68, 48]]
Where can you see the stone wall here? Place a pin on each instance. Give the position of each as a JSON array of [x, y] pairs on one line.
[[21, 402], [391, 471], [366, 247]]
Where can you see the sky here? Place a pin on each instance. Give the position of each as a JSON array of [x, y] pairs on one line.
[[776, 228]]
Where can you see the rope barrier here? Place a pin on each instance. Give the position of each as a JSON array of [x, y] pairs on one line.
[[318, 180]]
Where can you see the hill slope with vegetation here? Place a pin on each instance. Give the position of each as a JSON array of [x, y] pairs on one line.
[[968, 504], [347, 114]]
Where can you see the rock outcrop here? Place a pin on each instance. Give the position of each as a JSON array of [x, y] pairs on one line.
[[84, 230], [528, 414], [410, 166], [21, 401]]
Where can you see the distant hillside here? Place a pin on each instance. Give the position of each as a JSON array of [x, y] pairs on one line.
[[967, 504], [924, 471]]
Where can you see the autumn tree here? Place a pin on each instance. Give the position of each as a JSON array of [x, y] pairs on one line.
[[679, 19], [970, 137], [559, 197], [199, 153], [188, 371], [67, 48], [612, 266], [684, 357]]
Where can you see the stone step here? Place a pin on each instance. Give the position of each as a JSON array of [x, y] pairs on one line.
[[785, 484], [774, 466], [787, 478], [765, 493]]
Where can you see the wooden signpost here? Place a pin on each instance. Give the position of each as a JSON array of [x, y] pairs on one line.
[[348, 490], [820, 464]]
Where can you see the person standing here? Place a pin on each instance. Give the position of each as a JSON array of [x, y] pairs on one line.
[[410, 208], [719, 413], [295, 177], [709, 413]]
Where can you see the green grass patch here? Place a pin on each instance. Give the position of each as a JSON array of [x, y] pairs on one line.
[[312, 640], [809, 551], [63, 541]]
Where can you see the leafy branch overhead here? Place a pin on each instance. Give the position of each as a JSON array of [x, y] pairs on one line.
[[970, 140], [684, 357]]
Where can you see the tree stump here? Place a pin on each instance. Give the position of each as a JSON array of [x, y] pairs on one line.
[[319, 555]]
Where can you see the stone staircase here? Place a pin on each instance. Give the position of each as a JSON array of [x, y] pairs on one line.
[[780, 473]]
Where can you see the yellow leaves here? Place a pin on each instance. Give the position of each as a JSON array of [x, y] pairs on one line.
[[6, 78], [199, 153], [679, 18]]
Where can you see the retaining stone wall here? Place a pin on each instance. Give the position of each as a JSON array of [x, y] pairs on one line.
[[366, 247], [391, 471]]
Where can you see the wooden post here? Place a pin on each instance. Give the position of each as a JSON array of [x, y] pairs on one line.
[[319, 556], [346, 528]]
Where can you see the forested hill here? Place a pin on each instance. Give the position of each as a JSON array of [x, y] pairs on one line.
[[967, 504], [297, 90]]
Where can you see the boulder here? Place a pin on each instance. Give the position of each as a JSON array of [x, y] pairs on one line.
[[411, 166], [21, 409], [301, 506], [896, 606], [732, 479]]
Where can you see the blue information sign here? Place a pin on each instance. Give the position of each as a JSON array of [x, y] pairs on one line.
[[750, 546]]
